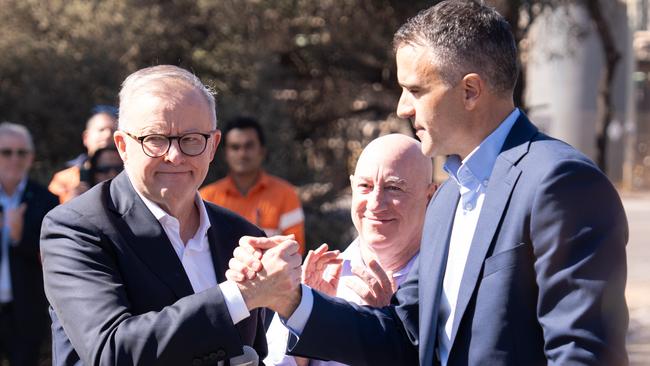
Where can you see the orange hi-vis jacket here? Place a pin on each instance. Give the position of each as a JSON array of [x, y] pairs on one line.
[[272, 204], [64, 182]]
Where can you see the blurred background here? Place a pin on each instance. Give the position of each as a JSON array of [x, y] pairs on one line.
[[320, 77]]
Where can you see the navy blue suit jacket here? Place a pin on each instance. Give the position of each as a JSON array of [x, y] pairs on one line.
[[119, 293], [543, 284]]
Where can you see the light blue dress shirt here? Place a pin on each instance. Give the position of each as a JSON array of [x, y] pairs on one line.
[[8, 203], [472, 177]]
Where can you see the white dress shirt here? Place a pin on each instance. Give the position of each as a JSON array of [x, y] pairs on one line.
[[196, 257], [472, 176], [277, 335]]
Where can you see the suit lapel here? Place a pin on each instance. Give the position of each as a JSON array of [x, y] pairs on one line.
[[433, 259], [215, 237], [502, 182], [144, 234]]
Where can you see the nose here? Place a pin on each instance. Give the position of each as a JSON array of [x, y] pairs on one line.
[[174, 154], [376, 201], [405, 106]]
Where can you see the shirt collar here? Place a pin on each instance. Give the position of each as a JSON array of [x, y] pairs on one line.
[[19, 189], [476, 168], [164, 218], [262, 182], [352, 257]]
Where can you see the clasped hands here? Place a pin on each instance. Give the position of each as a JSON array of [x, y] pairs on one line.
[[268, 274]]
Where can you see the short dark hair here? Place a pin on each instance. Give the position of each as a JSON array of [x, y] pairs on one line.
[[464, 37], [106, 109], [241, 123]]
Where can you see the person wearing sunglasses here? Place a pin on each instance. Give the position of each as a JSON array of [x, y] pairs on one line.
[[134, 268], [105, 164], [23, 204]]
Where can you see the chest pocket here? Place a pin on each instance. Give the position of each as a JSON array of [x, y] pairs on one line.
[[506, 259]]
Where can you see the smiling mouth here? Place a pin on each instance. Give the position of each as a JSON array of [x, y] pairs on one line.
[[382, 220], [174, 173]]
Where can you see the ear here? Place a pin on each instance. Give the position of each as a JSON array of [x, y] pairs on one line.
[[120, 143], [473, 88], [431, 189], [216, 137], [29, 160], [84, 136]]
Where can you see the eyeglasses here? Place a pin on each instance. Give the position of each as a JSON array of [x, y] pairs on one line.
[[109, 168], [21, 153], [156, 145]]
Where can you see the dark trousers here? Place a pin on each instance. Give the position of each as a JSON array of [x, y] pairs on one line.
[[14, 346]]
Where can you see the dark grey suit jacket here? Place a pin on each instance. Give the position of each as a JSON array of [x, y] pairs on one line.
[[543, 284], [119, 293]]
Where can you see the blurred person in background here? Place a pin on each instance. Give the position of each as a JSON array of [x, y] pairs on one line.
[[267, 201], [23, 204], [391, 187], [104, 164], [98, 134]]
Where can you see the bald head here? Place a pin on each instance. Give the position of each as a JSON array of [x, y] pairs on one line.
[[391, 187], [397, 149]]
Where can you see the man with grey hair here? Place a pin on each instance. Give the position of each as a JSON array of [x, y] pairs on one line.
[[522, 259], [134, 268], [23, 204]]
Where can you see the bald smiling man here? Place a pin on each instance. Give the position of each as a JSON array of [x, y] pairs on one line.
[[391, 187]]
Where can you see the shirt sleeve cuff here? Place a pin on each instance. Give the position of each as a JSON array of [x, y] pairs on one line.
[[297, 321], [234, 301]]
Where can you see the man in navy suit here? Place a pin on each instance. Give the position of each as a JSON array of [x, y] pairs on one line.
[[522, 258], [23, 204], [134, 268]]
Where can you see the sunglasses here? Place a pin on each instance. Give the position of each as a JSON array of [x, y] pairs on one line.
[[109, 168], [21, 153]]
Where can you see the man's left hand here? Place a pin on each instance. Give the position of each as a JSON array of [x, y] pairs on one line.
[[375, 286], [322, 270]]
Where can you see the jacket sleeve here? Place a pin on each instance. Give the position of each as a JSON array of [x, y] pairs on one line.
[[579, 230], [360, 335], [85, 289]]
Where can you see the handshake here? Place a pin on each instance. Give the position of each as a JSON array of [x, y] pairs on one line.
[[268, 273]]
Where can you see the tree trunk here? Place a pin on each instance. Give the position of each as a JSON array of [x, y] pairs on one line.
[[612, 57]]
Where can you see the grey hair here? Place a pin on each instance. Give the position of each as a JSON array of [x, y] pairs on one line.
[[155, 77], [14, 129], [465, 37]]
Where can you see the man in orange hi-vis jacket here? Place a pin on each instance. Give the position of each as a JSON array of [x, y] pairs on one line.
[[267, 201]]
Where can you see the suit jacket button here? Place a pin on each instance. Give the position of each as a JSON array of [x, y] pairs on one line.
[[214, 357], [197, 362], [221, 354]]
